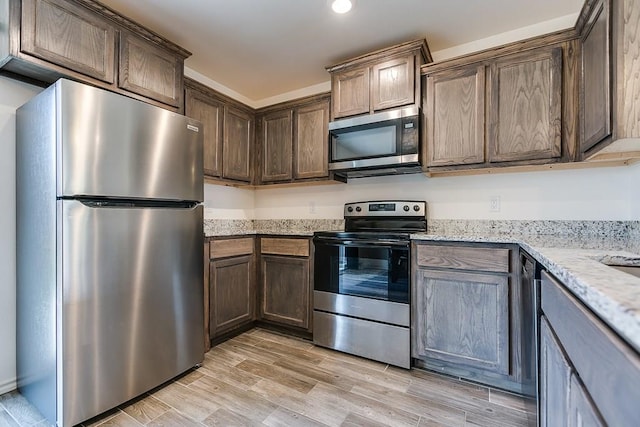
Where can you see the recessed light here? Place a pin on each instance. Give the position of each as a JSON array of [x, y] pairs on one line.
[[341, 6]]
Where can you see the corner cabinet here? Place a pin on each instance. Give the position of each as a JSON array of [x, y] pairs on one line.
[[498, 112], [228, 128], [285, 282], [378, 81], [581, 362], [232, 285], [237, 142], [77, 39], [293, 139], [466, 312]]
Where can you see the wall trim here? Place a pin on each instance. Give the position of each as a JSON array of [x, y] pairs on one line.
[[7, 386]]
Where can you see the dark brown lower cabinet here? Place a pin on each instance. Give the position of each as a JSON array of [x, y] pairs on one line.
[[230, 283], [232, 293], [554, 379], [589, 376], [464, 319], [467, 315], [285, 290], [285, 282]]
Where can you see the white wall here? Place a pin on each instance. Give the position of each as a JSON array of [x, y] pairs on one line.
[[225, 202], [634, 191], [584, 194], [12, 95]]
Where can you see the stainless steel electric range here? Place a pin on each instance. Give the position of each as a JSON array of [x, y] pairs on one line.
[[362, 282]]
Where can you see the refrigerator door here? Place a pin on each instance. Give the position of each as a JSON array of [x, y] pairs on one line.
[[113, 146], [131, 303]]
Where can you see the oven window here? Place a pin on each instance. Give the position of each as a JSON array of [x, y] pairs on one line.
[[365, 271]]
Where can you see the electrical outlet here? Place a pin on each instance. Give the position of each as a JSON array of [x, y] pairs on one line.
[[312, 207], [494, 204]]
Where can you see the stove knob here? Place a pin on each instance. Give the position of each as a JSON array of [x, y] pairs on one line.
[[358, 209], [416, 208], [406, 208], [350, 209]]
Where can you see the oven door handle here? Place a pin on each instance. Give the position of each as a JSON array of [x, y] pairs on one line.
[[364, 242]]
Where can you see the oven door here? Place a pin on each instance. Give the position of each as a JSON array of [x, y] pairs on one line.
[[366, 268]]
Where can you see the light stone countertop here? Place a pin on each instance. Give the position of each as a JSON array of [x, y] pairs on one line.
[[612, 295]]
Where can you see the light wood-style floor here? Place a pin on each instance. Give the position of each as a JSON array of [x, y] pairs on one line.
[[263, 378]]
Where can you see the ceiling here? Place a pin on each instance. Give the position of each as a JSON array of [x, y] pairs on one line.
[[263, 48]]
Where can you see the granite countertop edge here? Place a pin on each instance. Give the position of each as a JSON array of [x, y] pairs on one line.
[[612, 295]]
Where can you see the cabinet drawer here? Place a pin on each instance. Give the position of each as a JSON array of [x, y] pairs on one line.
[[230, 247], [463, 258], [279, 246]]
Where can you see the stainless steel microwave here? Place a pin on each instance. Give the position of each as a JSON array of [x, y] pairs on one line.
[[377, 144]]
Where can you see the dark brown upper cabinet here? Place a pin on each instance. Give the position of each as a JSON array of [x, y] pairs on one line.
[[454, 116], [350, 92], [294, 140], [311, 136], [150, 71], [379, 80], [525, 118], [596, 84], [237, 142], [228, 128], [277, 146], [86, 41], [52, 31], [514, 105]]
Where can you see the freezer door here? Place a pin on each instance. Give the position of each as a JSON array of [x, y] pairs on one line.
[[114, 146], [131, 306]]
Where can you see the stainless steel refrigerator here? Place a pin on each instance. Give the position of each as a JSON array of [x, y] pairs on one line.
[[109, 249]]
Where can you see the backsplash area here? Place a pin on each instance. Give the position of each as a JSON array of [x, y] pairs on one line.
[[624, 231], [229, 227]]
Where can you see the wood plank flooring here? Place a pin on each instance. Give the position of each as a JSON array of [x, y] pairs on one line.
[[263, 378]]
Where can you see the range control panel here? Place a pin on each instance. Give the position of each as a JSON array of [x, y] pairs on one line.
[[389, 208]]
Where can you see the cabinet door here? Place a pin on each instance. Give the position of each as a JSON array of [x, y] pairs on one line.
[[350, 92], [68, 35], [285, 290], [277, 146], [462, 318], [555, 373], [236, 146], [393, 83], [150, 71], [595, 81], [525, 117], [582, 411], [311, 147], [231, 295], [455, 117], [210, 113]]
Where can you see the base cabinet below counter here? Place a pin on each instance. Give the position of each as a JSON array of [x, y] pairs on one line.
[[588, 375], [232, 285], [285, 282], [468, 318]]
